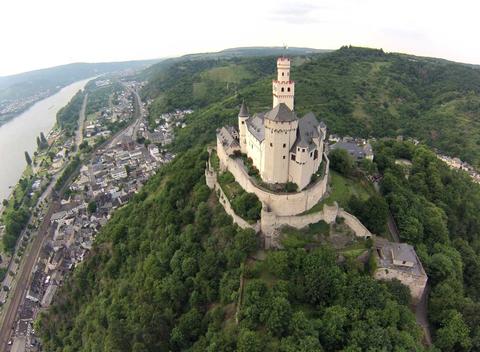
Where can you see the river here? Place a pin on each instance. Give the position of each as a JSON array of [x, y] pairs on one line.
[[20, 134]]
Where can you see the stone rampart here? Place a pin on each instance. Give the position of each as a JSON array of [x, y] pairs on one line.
[[211, 180], [356, 225], [282, 204]]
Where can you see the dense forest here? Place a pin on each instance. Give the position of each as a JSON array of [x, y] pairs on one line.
[[165, 273], [437, 210]]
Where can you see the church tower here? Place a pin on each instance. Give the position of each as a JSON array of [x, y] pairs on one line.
[[242, 127], [283, 88]]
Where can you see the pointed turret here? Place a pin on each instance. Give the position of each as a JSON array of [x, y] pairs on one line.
[[242, 126], [243, 110]]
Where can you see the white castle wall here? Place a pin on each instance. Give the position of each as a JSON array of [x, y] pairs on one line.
[[282, 204], [270, 221]]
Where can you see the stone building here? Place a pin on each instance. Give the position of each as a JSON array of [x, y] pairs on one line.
[[399, 261], [283, 147]]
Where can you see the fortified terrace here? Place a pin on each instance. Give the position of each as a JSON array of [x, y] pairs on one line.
[[282, 159]]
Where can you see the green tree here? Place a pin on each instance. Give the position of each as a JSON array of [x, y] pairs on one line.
[[92, 207], [249, 341], [341, 161], [27, 158], [454, 333], [279, 315]]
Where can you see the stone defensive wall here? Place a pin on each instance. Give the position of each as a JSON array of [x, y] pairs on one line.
[[277, 211], [212, 183], [282, 204], [270, 221], [416, 283]]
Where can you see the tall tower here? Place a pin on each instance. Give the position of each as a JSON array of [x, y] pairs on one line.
[[281, 126], [242, 127], [283, 88]]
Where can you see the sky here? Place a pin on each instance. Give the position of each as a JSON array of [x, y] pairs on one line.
[[36, 34]]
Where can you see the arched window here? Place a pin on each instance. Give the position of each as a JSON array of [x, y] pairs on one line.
[[283, 73], [288, 89], [283, 89], [315, 154]]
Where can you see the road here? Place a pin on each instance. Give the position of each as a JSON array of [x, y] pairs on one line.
[[23, 280], [81, 122], [132, 129]]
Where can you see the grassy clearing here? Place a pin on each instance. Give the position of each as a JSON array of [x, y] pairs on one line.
[[215, 161], [231, 188], [354, 250], [341, 190], [299, 238], [231, 73]]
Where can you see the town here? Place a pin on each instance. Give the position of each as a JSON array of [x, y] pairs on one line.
[[118, 156]]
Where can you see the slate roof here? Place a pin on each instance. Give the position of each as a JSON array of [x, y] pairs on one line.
[[307, 130], [243, 110], [353, 149], [226, 136], [281, 113], [256, 126]]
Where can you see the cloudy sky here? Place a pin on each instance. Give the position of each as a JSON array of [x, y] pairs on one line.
[[36, 34]]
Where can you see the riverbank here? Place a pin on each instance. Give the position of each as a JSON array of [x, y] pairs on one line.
[[19, 134]]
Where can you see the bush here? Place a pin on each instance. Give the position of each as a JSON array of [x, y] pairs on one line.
[[291, 187], [247, 206], [341, 161]]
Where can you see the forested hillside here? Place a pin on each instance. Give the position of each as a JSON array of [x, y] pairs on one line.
[[164, 273], [356, 91]]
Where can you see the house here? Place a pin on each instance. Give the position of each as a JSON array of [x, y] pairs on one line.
[[399, 261], [356, 150]]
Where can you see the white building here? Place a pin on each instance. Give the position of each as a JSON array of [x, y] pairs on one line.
[[283, 147]]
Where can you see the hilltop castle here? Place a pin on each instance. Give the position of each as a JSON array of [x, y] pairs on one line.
[[283, 147]]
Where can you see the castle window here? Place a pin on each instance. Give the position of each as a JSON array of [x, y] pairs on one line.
[[271, 144], [288, 89], [243, 122], [311, 154], [284, 157], [315, 155], [293, 157], [303, 150], [283, 89], [283, 73], [284, 145]]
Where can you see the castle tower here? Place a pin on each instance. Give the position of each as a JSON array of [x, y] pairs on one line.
[[281, 126], [242, 127], [283, 88]]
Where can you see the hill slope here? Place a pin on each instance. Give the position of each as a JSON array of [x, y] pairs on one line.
[[356, 91]]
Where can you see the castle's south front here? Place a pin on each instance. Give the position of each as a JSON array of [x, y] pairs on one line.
[[283, 147]]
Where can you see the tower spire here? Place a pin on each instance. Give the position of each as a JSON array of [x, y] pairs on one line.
[[243, 110]]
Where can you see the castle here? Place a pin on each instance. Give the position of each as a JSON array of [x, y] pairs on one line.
[[283, 147]]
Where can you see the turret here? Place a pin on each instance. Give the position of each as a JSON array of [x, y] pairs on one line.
[[243, 116], [281, 126], [283, 89]]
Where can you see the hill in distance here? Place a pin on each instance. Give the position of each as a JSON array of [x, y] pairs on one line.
[[356, 91], [19, 91]]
